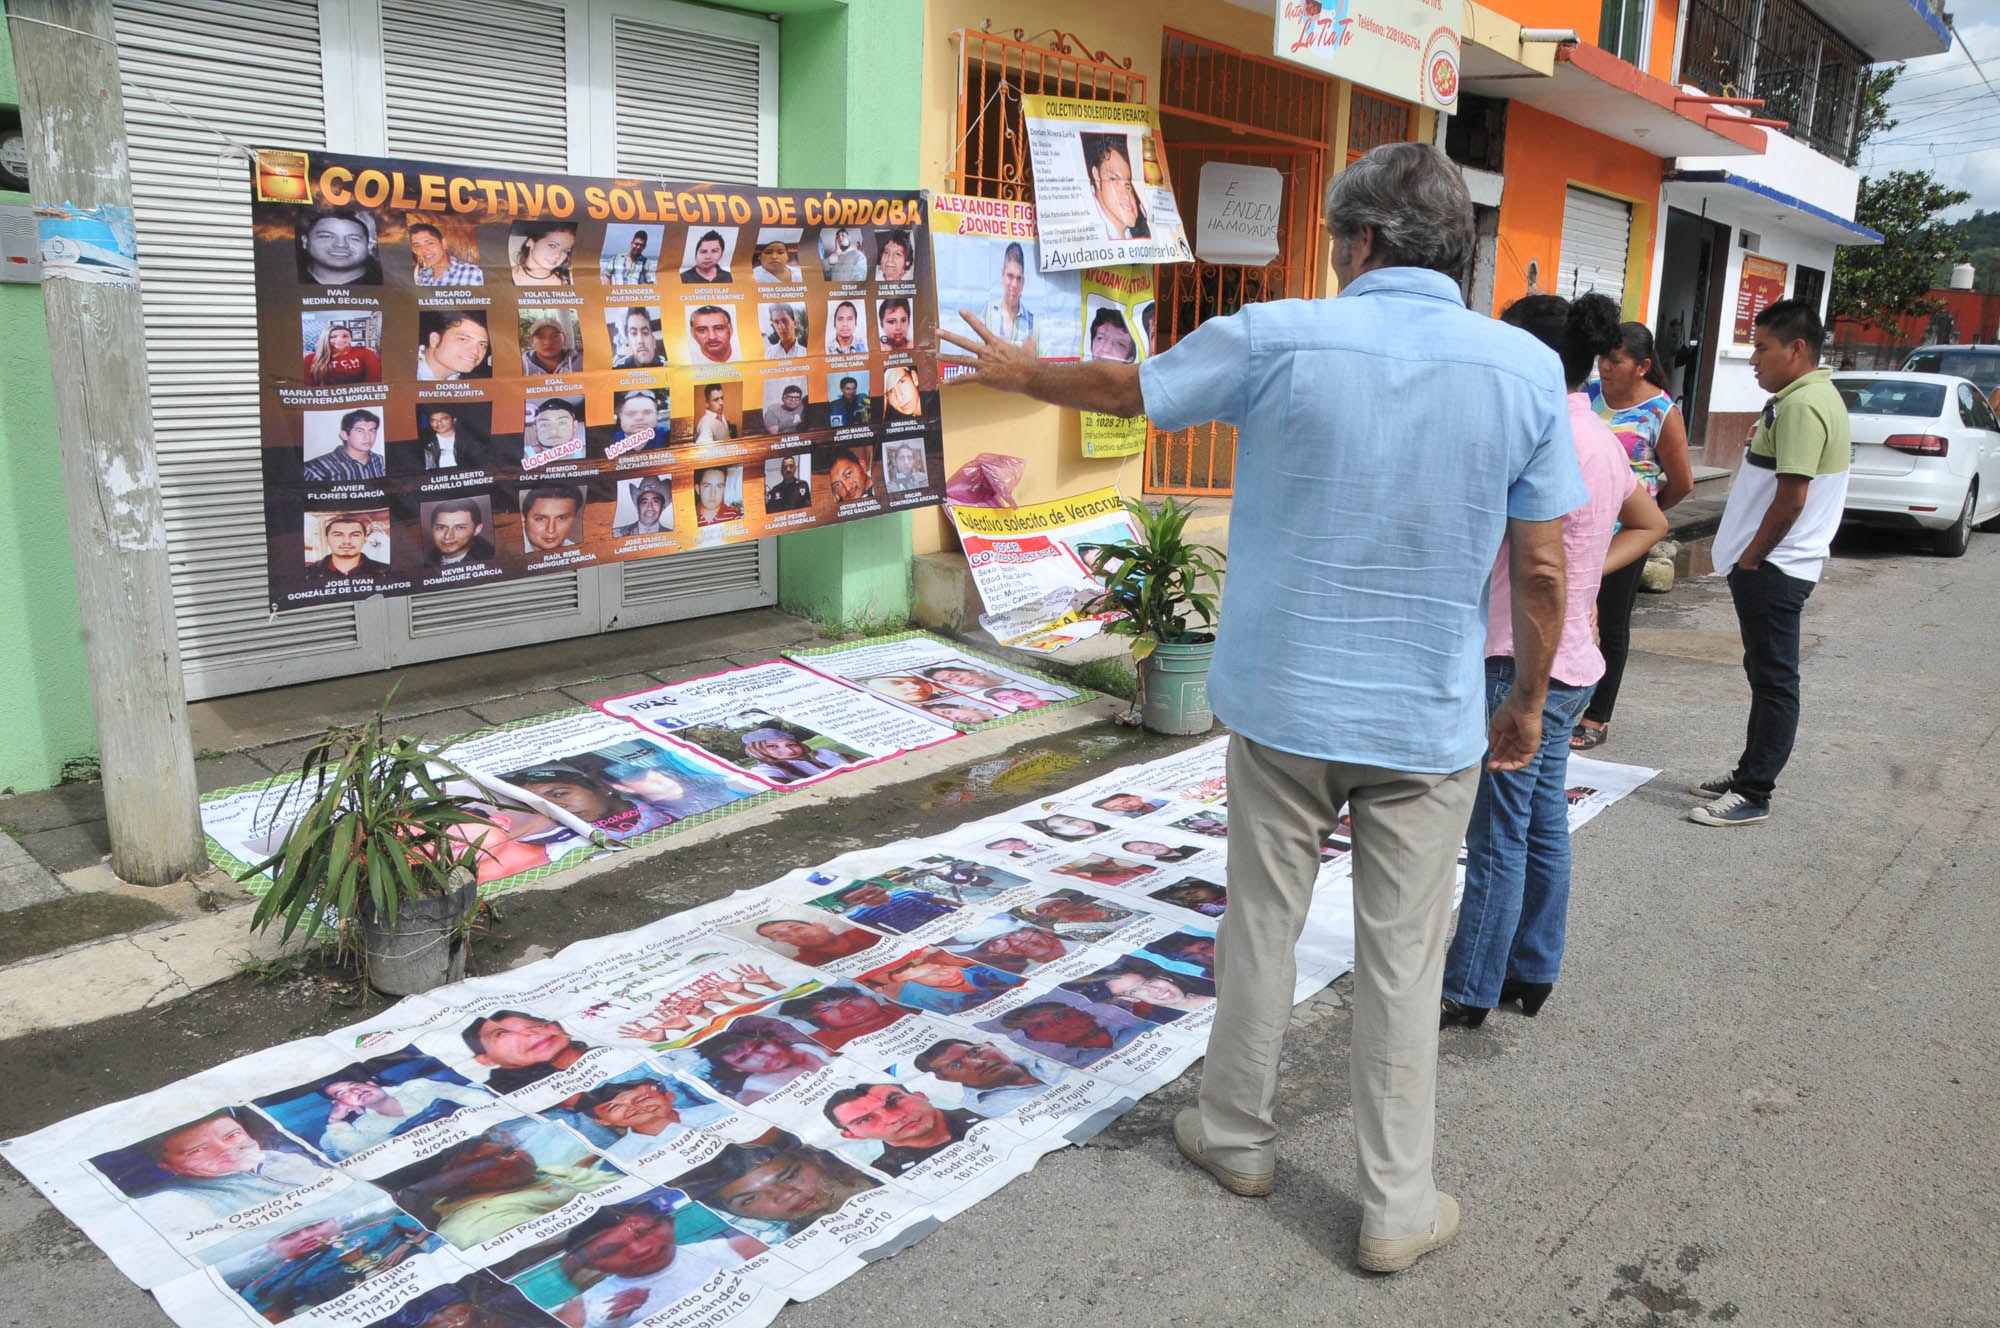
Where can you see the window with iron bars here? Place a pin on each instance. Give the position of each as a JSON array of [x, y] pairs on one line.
[[994, 73], [1807, 74], [1221, 104]]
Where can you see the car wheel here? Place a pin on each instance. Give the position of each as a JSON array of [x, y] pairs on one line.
[[1952, 543]]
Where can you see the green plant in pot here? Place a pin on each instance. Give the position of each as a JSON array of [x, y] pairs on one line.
[[375, 855], [1166, 585]]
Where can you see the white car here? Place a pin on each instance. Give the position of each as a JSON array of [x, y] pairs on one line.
[[1926, 455]]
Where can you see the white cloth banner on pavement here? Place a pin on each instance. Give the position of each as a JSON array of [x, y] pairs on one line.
[[694, 1122]]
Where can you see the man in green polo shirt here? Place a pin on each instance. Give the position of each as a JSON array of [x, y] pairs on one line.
[[1783, 511]]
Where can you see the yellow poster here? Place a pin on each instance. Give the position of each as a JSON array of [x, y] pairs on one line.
[[1118, 325]]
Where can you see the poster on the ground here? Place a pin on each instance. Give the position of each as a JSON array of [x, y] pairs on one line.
[[1102, 192], [1030, 565], [471, 375], [939, 679], [779, 724], [687, 1125], [989, 261], [1118, 323]]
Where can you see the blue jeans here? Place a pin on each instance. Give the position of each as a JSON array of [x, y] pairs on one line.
[[1515, 912]]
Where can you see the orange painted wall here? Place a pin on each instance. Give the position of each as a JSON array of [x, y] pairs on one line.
[[1545, 155], [1586, 15]]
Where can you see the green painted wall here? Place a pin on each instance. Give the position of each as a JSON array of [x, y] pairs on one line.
[[848, 116]]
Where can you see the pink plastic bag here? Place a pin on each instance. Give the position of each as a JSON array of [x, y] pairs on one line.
[[987, 480]]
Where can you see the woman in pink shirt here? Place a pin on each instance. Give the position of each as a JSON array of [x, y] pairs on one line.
[[1515, 911]]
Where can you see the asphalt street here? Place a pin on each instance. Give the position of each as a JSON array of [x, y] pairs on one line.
[[1767, 1089]]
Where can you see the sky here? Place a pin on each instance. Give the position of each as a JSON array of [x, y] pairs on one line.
[[1950, 121]]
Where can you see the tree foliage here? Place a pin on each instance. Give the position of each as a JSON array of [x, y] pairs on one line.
[[1878, 284], [1874, 117]]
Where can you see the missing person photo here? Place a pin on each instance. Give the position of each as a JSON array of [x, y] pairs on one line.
[[785, 402], [343, 446], [777, 257], [452, 344], [342, 346], [895, 256], [538, 252], [551, 341], [846, 334], [490, 1184], [630, 1263], [207, 1169], [346, 547], [902, 398], [1145, 990], [636, 342], [645, 506], [1107, 160], [631, 1115], [631, 254], [706, 260], [1067, 1028], [785, 329], [1006, 943], [371, 1102], [1106, 334], [893, 323], [754, 1056], [641, 418], [551, 517], [850, 474], [457, 531], [718, 495], [455, 436], [810, 940], [711, 335], [322, 1251], [787, 484], [1204, 897], [848, 405], [843, 253], [337, 247], [552, 429], [1075, 915], [718, 406], [775, 1186], [444, 251], [939, 982]]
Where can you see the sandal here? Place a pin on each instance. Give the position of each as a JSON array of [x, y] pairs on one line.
[[1585, 738]]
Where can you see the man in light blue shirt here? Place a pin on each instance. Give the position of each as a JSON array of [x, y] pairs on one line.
[[1387, 441]]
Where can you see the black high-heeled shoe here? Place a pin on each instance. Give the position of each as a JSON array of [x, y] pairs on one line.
[[1452, 1012], [1529, 994]]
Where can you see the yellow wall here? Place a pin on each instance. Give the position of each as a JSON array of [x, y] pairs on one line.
[[976, 420]]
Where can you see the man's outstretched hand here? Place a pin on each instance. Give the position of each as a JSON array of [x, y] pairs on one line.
[[995, 362]]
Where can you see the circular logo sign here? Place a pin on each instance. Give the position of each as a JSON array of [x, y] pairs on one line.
[[1441, 69]]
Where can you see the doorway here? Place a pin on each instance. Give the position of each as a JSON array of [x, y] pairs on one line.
[[1692, 268]]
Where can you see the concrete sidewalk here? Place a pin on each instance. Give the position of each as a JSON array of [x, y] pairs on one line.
[[77, 944]]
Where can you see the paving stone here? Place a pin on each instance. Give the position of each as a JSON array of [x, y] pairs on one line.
[[527, 705], [229, 770], [68, 847], [50, 809], [23, 881]]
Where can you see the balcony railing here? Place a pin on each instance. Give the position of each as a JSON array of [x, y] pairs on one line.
[[1781, 51]]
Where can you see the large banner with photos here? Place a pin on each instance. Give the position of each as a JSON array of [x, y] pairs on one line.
[[473, 375], [688, 1124]]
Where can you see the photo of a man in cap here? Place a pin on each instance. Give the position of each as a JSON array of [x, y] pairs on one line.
[[548, 347], [653, 499]]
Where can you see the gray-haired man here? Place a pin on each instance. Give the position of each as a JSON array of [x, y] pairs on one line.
[[1377, 529]]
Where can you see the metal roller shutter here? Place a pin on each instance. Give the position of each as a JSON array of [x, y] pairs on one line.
[[714, 120], [248, 70], [1597, 232]]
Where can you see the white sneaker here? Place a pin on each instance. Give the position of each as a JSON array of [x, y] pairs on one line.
[[1730, 809]]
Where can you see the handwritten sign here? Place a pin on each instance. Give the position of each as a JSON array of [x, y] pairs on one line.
[[1236, 215]]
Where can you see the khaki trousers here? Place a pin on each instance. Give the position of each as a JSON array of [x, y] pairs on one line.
[[1407, 830]]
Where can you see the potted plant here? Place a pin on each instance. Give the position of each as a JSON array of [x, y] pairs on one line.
[[375, 855], [1157, 582]]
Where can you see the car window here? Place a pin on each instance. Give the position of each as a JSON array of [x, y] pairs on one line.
[[1981, 364], [1968, 413], [1982, 414], [1891, 396]]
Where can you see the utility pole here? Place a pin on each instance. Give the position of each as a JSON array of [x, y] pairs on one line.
[[73, 117]]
